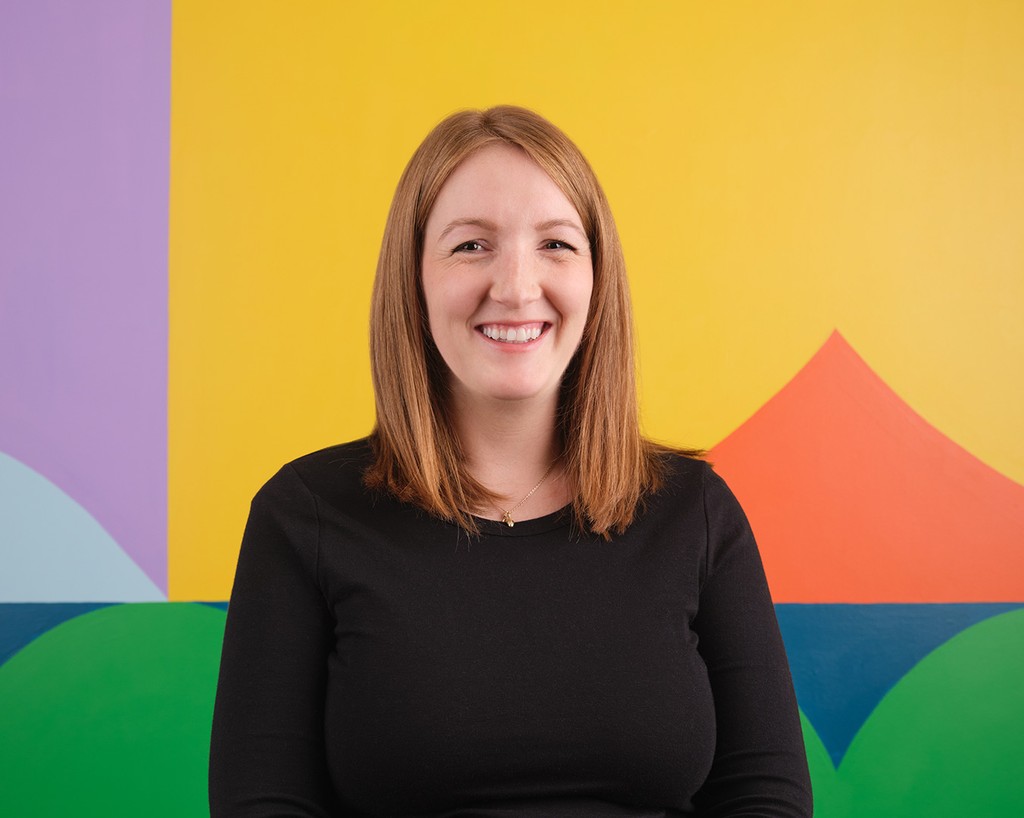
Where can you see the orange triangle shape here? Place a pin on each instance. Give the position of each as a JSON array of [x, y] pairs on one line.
[[854, 497]]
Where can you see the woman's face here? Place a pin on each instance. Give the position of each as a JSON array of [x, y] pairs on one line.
[[507, 278]]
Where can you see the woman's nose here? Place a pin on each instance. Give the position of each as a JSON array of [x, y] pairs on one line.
[[516, 279]]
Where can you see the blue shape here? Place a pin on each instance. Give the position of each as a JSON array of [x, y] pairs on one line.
[[21, 623], [53, 550], [845, 658]]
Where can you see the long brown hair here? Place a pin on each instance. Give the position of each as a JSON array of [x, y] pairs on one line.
[[609, 466]]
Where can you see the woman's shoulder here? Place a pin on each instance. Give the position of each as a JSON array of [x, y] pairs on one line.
[[352, 456], [682, 467], [683, 463], [328, 472], [689, 474]]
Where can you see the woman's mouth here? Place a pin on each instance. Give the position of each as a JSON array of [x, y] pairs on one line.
[[513, 334]]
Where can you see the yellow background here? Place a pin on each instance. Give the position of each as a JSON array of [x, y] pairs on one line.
[[777, 170]]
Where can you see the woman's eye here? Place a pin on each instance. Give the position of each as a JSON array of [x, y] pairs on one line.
[[468, 247], [555, 244]]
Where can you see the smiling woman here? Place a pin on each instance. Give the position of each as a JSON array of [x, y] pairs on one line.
[[507, 287], [505, 602], [425, 453]]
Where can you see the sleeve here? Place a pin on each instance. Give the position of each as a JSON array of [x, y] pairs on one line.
[[267, 755], [760, 765]]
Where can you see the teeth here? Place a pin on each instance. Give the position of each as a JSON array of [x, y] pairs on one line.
[[511, 335]]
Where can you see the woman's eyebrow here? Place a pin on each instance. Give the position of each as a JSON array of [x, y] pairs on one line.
[[553, 223], [469, 221], [485, 224]]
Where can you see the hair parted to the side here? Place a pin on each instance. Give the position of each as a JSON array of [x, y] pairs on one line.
[[418, 457]]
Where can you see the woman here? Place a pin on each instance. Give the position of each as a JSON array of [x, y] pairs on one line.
[[505, 601]]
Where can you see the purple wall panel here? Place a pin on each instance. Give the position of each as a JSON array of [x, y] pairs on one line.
[[84, 143]]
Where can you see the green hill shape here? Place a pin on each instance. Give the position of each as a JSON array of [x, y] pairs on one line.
[[947, 740], [109, 715]]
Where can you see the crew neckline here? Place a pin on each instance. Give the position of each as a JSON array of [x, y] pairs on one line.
[[525, 528]]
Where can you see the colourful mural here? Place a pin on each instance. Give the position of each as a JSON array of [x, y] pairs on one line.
[[819, 206], [83, 297], [861, 507], [857, 498]]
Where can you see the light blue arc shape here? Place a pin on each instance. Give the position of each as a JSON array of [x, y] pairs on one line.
[[53, 550]]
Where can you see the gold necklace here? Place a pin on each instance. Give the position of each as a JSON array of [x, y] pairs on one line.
[[506, 516]]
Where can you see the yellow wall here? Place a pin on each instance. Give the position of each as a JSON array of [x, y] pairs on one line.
[[777, 171]]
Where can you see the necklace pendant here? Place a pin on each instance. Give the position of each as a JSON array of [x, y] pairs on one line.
[[506, 516]]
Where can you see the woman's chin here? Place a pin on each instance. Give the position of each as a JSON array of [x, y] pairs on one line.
[[515, 393]]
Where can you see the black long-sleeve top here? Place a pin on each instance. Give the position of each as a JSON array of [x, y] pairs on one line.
[[378, 661]]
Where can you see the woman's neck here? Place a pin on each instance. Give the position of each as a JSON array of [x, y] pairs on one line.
[[509, 447]]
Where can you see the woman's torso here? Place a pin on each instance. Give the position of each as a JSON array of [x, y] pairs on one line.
[[529, 665]]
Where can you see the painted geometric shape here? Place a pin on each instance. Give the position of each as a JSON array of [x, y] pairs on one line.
[[53, 550], [856, 498], [22, 623], [846, 658], [113, 713], [85, 90], [944, 742]]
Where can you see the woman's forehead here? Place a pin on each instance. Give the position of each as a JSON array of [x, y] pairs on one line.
[[500, 183]]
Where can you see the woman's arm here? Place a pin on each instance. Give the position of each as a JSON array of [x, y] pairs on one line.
[[267, 754], [760, 766]]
